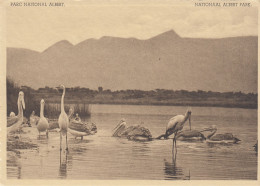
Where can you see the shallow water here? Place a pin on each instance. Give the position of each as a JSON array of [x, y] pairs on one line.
[[104, 157]]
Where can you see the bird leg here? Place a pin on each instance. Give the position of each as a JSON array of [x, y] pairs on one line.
[[81, 137], [60, 141], [172, 146], [175, 146], [47, 133], [66, 143]]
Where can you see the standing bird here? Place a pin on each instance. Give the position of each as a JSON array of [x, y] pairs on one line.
[[175, 125], [63, 120], [34, 119], [43, 123], [14, 123], [12, 114]]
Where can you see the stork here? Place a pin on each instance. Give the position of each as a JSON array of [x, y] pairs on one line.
[[175, 125]]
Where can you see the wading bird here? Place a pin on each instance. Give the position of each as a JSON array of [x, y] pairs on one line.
[[12, 114], [134, 132], [63, 120], [78, 128], [220, 138], [14, 123], [256, 146], [175, 125], [43, 123], [191, 135], [34, 119]]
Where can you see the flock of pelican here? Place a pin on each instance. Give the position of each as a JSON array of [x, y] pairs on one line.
[[174, 126], [66, 123]]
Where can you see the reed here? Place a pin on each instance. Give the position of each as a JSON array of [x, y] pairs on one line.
[[52, 110]]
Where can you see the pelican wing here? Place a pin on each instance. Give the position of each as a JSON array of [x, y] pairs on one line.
[[220, 137], [190, 133], [12, 120], [83, 127], [140, 131]]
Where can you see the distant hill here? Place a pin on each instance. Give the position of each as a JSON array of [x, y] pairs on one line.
[[166, 61]]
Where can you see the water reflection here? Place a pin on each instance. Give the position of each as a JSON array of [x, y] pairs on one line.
[[171, 170], [14, 165], [63, 165]]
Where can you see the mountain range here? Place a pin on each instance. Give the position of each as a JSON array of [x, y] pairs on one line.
[[166, 61]]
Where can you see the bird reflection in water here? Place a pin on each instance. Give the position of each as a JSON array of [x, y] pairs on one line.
[[172, 171], [63, 164]]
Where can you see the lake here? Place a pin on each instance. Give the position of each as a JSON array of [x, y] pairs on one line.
[[104, 157]]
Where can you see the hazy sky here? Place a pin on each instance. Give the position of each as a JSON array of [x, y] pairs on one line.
[[39, 27]]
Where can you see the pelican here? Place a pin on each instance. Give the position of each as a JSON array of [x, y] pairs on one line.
[[79, 129], [12, 114], [256, 146], [43, 123], [191, 135], [63, 120], [34, 119], [220, 138], [136, 132], [15, 123]]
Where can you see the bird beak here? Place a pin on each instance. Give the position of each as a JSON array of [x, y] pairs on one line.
[[190, 122], [206, 129], [57, 89], [117, 125]]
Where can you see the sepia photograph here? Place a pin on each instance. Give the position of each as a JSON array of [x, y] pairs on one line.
[[129, 90]]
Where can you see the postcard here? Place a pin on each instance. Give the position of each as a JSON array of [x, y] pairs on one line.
[[129, 92]]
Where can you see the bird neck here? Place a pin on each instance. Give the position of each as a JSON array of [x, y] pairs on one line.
[[20, 109], [42, 110], [62, 101], [212, 133]]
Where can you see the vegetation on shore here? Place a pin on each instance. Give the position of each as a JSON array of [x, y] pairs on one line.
[[78, 96], [151, 97]]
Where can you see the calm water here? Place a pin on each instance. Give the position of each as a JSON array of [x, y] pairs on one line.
[[104, 157]]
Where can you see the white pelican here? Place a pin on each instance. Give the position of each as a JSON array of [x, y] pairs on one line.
[[15, 123], [63, 120], [34, 119], [220, 138], [12, 114], [191, 135], [134, 132], [43, 123], [78, 128]]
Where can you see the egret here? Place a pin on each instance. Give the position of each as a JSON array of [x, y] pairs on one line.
[[14, 123], [43, 123], [63, 120]]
